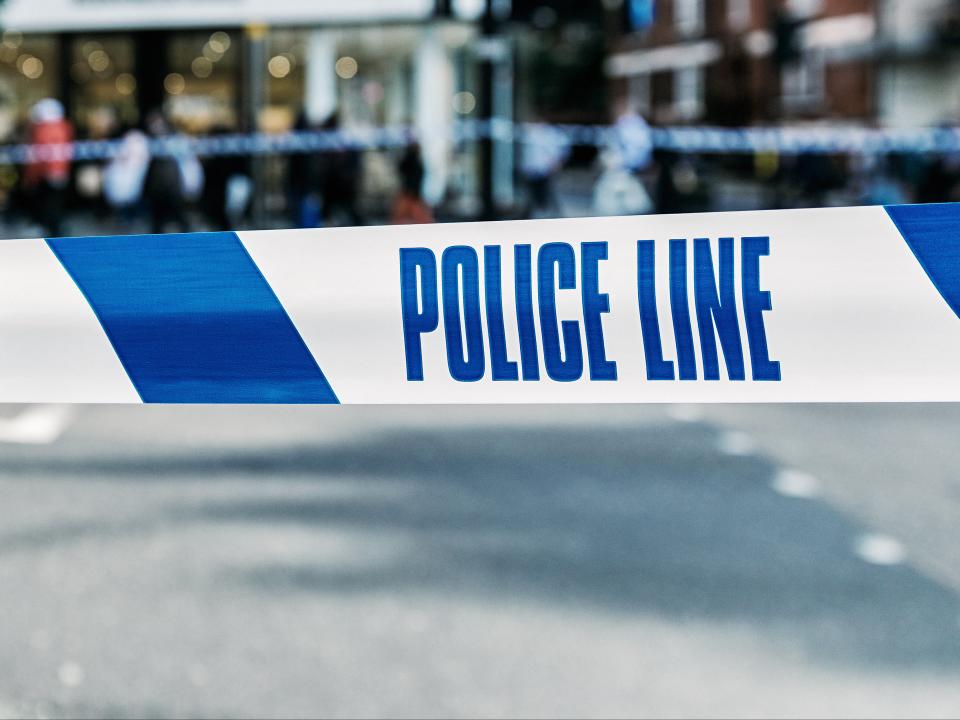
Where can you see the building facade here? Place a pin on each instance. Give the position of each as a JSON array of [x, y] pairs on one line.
[[919, 61], [243, 65], [742, 62]]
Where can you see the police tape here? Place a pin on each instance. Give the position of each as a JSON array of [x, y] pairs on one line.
[[852, 304], [787, 140]]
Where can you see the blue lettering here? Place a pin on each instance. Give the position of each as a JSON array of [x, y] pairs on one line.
[[503, 368], [680, 308], [523, 284], [595, 303], [554, 257], [413, 295], [755, 303], [467, 367], [657, 367], [715, 310]]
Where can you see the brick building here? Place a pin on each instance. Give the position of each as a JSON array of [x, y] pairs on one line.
[[741, 62]]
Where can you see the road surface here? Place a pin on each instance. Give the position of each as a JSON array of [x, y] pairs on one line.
[[652, 561]]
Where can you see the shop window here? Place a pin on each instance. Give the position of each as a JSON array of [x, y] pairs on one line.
[[362, 74], [27, 74], [373, 75], [203, 83], [287, 52], [103, 84], [688, 92]]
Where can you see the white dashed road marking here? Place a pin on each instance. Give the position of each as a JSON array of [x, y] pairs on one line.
[[685, 413], [71, 675], [879, 549], [795, 484], [199, 676], [37, 425], [736, 443]]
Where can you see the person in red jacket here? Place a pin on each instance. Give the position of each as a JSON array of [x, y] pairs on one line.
[[409, 207], [47, 173]]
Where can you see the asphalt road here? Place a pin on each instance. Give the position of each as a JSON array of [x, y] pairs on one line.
[[787, 561]]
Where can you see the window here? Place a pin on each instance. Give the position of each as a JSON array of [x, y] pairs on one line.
[[805, 9], [28, 73], [638, 93], [803, 82], [739, 15], [288, 53], [202, 84], [688, 92], [688, 16], [104, 88]]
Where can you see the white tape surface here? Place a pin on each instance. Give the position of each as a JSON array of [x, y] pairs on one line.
[[848, 304]]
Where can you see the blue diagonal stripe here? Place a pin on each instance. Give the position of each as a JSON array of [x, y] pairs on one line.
[[193, 320], [933, 234]]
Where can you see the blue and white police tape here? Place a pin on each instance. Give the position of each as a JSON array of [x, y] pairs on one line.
[[854, 304], [787, 140]]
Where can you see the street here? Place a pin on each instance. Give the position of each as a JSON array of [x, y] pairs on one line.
[[486, 561]]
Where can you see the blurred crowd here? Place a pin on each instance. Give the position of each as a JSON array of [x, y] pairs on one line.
[[138, 190], [633, 177], [179, 191]]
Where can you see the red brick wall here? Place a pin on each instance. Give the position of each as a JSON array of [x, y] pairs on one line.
[[849, 90]]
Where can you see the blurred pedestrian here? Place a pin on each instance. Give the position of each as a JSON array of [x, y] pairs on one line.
[[409, 207], [341, 173], [238, 199], [303, 183], [228, 188], [680, 187], [633, 141], [47, 173], [816, 175], [879, 183], [124, 176], [173, 177], [940, 180], [668, 196], [545, 150], [618, 191]]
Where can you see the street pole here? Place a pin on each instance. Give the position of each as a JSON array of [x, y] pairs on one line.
[[492, 52], [488, 31], [256, 64], [503, 146]]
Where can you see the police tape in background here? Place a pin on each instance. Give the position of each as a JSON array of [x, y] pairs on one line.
[[785, 140], [855, 304]]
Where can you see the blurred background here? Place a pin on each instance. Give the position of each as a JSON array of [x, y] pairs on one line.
[[461, 109], [523, 561]]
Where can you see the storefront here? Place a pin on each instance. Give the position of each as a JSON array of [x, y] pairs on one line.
[[237, 66], [28, 72]]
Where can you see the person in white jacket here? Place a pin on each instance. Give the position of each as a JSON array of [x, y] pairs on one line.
[[125, 173]]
